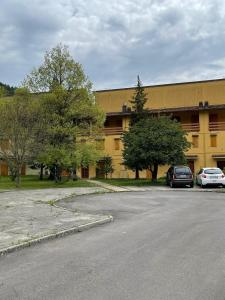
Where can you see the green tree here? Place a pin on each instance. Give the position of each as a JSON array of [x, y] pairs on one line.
[[107, 167], [139, 98], [138, 113], [19, 127], [6, 90], [69, 109], [72, 117], [58, 68], [152, 142], [3, 91]]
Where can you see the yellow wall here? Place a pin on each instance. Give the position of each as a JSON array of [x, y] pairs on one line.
[[171, 96], [166, 96]]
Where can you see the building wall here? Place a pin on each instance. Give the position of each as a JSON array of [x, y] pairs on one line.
[[166, 96], [172, 96]]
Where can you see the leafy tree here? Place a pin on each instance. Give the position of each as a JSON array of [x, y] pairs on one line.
[[71, 117], [3, 91], [107, 167], [139, 112], [58, 68], [70, 110], [152, 142], [19, 127], [6, 90]]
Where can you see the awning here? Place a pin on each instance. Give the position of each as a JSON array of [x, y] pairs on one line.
[[191, 157], [218, 156]]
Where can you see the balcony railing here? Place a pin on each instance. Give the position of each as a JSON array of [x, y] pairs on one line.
[[191, 126], [119, 130], [216, 126], [113, 130]]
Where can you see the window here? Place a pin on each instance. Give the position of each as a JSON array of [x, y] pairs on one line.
[[194, 119], [213, 118], [195, 141], [213, 140], [117, 144]]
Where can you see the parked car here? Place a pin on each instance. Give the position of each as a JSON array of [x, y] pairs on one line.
[[210, 176], [179, 176]]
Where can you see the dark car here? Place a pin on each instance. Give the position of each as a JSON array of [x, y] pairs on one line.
[[179, 176]]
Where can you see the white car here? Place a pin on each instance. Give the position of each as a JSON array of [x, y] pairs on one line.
[[210, 176]]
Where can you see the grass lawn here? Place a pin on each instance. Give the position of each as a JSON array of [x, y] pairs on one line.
[[134, 182], [33, 182]]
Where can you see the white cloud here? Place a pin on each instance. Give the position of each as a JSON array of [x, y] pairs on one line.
[[163, 41]]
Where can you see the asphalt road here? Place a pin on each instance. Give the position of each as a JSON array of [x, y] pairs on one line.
[[162, 245]]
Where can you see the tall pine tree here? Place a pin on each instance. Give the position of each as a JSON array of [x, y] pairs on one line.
[[138, 112], [139, 98]]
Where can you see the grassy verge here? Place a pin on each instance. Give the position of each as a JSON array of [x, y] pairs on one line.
[[133, 182], [33, 182]]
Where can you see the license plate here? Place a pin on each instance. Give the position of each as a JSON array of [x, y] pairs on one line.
[[183, 176], [214, 177]]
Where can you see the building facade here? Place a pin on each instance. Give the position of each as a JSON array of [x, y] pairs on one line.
[[198, 106]]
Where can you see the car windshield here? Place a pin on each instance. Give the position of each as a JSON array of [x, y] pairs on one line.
[[212, 171], [183, 170]]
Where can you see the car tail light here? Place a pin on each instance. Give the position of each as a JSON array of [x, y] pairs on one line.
[[204, 176], [174, 176], [222, 176]]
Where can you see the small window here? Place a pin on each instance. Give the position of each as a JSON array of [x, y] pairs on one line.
[[213, 140], [195, 141], [117, 144]]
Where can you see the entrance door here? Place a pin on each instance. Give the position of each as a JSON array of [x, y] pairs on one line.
[[221, 164], [100, 169], [85, 172], [4, 169], [191, 165]]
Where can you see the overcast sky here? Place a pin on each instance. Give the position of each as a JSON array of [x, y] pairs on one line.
[[162, 41]]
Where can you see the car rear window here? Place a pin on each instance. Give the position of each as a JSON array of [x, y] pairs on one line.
[[212, 171], [183, 170]]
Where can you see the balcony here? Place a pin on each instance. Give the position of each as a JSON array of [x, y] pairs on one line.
[[189, 127], [216, 126], [113, 130]]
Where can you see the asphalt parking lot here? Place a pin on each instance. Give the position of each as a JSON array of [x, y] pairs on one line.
[[161, 245]]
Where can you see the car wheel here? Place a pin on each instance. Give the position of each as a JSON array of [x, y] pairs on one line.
[[191, 185], [202, 186]]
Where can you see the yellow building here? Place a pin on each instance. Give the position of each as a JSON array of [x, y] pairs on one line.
[[199, 106]]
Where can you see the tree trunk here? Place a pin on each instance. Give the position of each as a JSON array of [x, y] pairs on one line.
[[51, 174], [154, 173], [137, 173], [17, 176], [41, 172]]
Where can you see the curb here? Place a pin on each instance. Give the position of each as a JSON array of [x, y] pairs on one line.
[[62, 233]]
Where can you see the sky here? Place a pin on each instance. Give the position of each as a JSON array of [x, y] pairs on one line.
[[163, 41]]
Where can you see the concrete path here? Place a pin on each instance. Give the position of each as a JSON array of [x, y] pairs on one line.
[[109, 187], [32, 215]]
